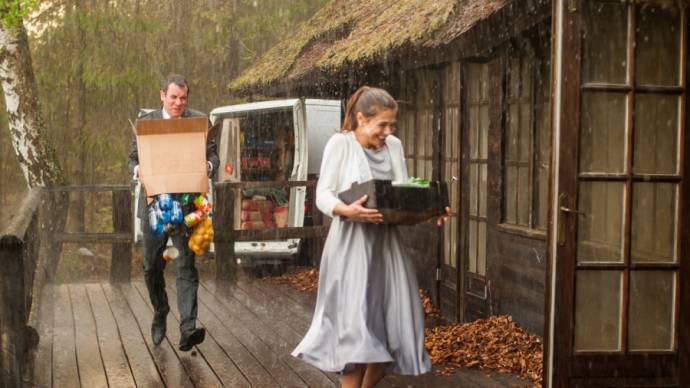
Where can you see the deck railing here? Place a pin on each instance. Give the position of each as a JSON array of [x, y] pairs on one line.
[[225, 234], [23, 272], [120, 237], [19, 246], [29, 247]]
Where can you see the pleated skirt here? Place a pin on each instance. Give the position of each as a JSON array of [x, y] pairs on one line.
[[368, 308]]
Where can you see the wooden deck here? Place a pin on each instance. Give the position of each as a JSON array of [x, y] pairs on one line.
[[98, 335]]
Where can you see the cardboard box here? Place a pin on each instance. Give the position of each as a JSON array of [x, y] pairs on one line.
[[400, 204], [172, 155]]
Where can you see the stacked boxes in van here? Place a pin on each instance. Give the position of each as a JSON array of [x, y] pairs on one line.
[[259, 212], [266, 149]]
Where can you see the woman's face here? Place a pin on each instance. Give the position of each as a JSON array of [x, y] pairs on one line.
[[372, 132]]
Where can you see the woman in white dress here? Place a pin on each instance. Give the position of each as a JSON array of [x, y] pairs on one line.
[[368, 318]]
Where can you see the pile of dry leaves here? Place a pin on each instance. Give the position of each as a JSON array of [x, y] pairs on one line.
[[429, 309], [305, 280], [495, 343]]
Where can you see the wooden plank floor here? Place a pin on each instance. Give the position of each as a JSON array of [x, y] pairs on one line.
[[98, 335]]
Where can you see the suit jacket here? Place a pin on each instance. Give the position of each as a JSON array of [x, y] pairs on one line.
[[344, 163], [211, 151]]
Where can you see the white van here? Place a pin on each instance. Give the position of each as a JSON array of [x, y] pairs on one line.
[[280, 140]]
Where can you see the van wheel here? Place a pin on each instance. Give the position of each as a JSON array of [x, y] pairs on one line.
[[261, 267]]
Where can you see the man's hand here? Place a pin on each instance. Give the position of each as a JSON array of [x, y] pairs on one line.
[[135, 176]]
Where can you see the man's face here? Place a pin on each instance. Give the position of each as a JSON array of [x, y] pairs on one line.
[[174, 100]]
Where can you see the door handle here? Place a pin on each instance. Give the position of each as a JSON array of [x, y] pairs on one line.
[[562, 201], [569, 210]]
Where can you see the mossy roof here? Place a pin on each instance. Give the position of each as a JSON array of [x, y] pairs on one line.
[[349, 32]]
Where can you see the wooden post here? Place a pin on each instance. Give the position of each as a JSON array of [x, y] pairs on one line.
[[12, 311], [223, 231], [315, 244], [121, 253]]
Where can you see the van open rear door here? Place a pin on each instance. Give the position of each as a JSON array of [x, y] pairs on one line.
[[264, 142]]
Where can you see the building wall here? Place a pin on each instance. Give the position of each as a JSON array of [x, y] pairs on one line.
[[516, 256], [517, 281], [516, 260], [520, 84]]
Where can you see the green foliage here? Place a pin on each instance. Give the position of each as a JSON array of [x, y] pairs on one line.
[[13, 11], [98, 61]]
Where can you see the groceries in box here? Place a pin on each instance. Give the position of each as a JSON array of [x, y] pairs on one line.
[[259, 212], [166, 214]]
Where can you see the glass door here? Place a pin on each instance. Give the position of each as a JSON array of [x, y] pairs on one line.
[[619, 256], [475, 162], [451, 298]]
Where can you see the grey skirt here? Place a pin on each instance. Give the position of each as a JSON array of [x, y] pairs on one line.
[[368, 308]]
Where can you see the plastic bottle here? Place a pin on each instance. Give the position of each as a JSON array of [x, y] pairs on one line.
[[186, 198], [194, 218], [165, 216], [202, 203], [165, 201], [176, 216], [154, 222]]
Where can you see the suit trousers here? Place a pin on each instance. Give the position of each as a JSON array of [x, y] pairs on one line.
[[187, 281]]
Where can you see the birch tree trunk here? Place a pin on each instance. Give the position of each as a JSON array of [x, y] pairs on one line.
[[40, 167]]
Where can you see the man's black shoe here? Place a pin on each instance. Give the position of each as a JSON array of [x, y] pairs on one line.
[[191, 338], [158, 327]]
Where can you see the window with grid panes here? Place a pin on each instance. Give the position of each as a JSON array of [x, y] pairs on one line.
[[526, 142], [415, 122], [477, 165]]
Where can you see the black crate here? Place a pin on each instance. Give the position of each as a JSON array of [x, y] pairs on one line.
[[400, 204]]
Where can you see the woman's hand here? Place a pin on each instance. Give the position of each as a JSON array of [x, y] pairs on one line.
[[444, 217], [356, 212]]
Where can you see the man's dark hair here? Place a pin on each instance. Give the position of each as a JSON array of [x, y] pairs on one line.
[[176, 79]]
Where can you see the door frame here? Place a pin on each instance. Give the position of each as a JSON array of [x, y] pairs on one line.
[[566, 86]]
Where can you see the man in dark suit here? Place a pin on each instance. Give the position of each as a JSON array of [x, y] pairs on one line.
[[174, 92]]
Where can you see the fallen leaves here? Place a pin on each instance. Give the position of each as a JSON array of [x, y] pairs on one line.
[[495, 343], [429, 309], [305, 280]]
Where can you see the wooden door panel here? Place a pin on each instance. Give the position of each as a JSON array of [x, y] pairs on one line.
[[621, 315]]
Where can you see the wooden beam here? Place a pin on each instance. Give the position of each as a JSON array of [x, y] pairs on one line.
[[224, 213], [19, 225], [12, 311], [271, 234], [266, 185], [89, 188], [98, 238], [121, 252]]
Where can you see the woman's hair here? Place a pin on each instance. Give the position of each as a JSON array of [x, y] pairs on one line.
[[370, 101]]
